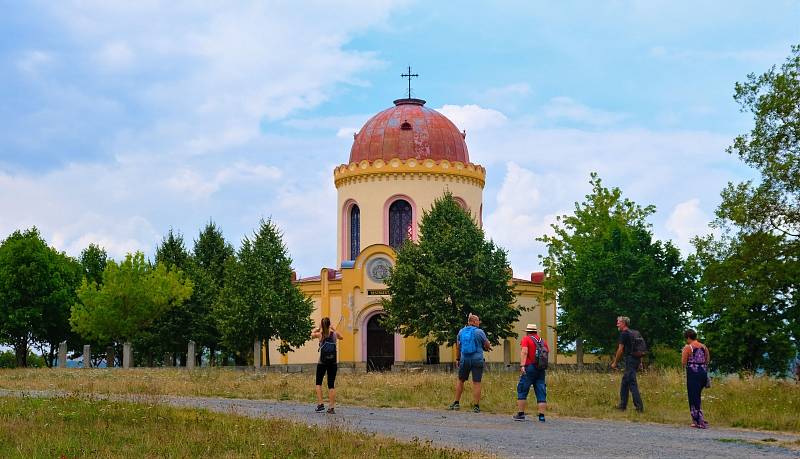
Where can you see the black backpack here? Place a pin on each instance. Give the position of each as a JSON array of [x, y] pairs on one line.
[[638, 344], [327, 349], [542, 354]]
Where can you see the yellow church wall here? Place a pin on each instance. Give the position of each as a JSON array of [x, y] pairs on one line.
[[372, 192]]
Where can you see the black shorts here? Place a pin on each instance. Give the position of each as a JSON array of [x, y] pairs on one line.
[[329, 368], [467, 366]]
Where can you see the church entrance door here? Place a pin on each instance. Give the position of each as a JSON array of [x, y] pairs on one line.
[[380, 345]]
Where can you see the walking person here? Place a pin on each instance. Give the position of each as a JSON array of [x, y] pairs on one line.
[[328, 338], [695, 358], [534, 353], [470, 344], [633, 359]]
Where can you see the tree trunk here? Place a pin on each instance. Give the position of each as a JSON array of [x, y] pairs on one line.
[[266, 361], [579, 352], [21, 351], [212, 356]]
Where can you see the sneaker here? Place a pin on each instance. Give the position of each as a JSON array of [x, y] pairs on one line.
[[476, 409], [519, 417], [541, 417], [640, 410], [331, 411], [320, 408], [454, 406], [620, 408]]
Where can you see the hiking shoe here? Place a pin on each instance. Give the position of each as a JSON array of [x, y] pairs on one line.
[[476, 409], [454, 406], [331, 411], [519, 417], [541, 417], [640, 410], [320, 408]]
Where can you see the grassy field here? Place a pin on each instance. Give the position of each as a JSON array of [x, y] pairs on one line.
[[757, 403], [71, 427]]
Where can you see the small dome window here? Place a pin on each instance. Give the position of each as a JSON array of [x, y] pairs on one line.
[[406, 126]]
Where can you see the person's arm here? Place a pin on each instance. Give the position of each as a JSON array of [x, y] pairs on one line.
[[523, 356], [708, 354], [315, 333], [458, 351], [339, 336], [620, 349], [687, 351], [486, 345]]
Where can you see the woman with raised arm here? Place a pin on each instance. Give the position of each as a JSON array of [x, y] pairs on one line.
[[328, 338], [695, 358]]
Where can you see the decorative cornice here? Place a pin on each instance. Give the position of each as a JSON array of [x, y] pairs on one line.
[[411, 169]]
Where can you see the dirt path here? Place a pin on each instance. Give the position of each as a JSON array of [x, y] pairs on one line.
[[498, 434]]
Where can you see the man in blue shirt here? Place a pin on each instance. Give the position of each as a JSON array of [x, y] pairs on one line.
[[470, 344]]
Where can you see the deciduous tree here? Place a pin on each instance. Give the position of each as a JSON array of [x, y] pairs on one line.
[[259, 300], [602, 262], [452, 271]]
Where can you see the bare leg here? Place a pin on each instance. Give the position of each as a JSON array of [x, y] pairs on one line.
[[319, 395], [542, 407], [459, 389], [521, 404], [476, 392], [332, 397]]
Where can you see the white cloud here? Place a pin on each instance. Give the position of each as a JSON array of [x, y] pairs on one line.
[[565, 108], [686, 221], [472, 117], [115, 55], [31, 61]]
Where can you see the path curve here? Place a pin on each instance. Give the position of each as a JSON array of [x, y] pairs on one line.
[[492, 433]]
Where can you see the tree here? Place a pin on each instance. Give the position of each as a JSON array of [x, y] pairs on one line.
[[132, 296], [602, 262], [37, 287], [452, 271], [750, 309], [172, 330], [210, 253], [259, 300], [93, 260]]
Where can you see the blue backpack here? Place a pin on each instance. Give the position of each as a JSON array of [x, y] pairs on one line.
[[467, 341]]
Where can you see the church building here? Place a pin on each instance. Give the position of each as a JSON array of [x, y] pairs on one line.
[[402, 159]]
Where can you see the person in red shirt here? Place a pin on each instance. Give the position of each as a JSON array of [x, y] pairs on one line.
[[530, 374]]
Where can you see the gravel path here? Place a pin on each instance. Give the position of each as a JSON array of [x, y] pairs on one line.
[[498, 434]]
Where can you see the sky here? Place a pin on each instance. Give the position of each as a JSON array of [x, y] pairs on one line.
[[121, 120]]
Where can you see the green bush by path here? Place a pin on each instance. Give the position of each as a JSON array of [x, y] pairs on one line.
[[70, 427]]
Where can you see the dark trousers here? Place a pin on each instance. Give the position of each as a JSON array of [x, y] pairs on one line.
[[629, 383], [695, 382]]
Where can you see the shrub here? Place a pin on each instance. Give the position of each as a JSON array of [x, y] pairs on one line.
[[9, 360], [663, 356]]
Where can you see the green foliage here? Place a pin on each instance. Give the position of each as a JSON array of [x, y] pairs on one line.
[[8, 359], [750, 310], [451, 272], [211, 251], [172, 330], [132, 296], [93, 260], [602, 262], [259, 300], [663, 356], [37, 287]]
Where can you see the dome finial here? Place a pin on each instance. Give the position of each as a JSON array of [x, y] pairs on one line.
[[409, 75]]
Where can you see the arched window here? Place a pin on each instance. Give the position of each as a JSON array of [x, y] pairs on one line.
[[355, 231], [400, 221]]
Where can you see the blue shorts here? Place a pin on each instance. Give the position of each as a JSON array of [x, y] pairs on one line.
[[532, 377], [467, 366]]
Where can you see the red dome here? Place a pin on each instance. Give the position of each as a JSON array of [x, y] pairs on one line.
[[409, 130]]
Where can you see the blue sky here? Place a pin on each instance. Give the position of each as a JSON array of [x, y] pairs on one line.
[[121, 120]]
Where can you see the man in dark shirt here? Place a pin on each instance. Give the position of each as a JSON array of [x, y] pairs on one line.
[[632, 364]]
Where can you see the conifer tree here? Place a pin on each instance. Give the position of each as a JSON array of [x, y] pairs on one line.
[[451, 272], [259, 300]]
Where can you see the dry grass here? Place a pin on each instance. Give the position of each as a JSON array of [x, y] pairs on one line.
[[757, 403], [70, 427]]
